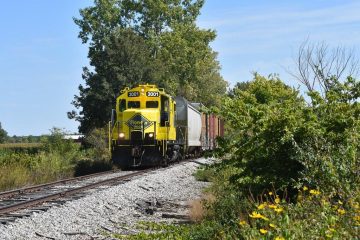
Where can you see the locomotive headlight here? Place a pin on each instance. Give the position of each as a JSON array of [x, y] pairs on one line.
[[151, 135], [121, 135]]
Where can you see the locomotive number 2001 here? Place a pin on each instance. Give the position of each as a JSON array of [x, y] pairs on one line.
[[133, 94], [152, 94]]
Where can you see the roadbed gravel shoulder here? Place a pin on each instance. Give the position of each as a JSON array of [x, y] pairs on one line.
[[158, 196]]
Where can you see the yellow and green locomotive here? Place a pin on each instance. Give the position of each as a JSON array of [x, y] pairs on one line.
[[143, 127], [151, 128]]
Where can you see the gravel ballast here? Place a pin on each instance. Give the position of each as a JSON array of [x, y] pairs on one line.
[[162, 195]]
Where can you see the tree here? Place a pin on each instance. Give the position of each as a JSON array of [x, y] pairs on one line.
[[318, 65], [150, 41], [193, 71], [3, 134], [126, 61], [239, 86]]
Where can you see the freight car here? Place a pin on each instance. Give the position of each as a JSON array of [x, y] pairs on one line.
[[151, 128]]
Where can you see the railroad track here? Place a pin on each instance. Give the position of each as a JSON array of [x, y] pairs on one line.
[[15, 192], [25, 201]]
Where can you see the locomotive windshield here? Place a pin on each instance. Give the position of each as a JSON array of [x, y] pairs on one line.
[[152, 104], [133, 104]]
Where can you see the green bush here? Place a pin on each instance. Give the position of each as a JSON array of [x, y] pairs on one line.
[[55, 142], [89, 166], [55, 159], [278, 140], [290, 169], [97, 141], [267, 121], [204, 174], [331, 154]]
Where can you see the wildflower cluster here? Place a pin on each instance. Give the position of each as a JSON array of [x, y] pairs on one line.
[[274, 218], [266, 219]]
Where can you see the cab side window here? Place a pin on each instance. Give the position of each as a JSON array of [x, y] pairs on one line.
[[164, 117], [122, 105]]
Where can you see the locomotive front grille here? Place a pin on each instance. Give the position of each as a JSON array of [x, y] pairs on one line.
[[136, 136]]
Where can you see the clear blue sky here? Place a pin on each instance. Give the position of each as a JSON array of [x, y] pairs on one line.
[[41, 57]]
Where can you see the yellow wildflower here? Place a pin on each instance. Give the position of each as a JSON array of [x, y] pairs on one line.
[[279, 238], [277, 200], [357, 218], [270, 193], [341, 211], [278, 210], [305, 188], [272, 225], [242, 222], [272, 206], [261, 206], [314, 192], [263, 231], [340, 202], [257, 215]]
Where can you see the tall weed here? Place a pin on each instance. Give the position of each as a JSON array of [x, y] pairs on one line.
[[56, 159]]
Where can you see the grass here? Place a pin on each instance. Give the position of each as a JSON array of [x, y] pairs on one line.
[[19, 145], [31, 148], [23, 169], [197, 211], [54, 159]]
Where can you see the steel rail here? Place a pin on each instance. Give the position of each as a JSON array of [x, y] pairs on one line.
[[33, 202], [18, 191]]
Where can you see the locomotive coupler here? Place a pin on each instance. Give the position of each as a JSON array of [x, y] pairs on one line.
[[136, 152]]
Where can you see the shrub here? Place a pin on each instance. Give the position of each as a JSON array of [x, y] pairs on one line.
[[55, 142], [55, 159], [331, 154], [97, 140], [204, 174], [267, 121], [89, 166], [278, 141]]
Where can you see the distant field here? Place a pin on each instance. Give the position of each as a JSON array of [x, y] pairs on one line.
[[19, 145]]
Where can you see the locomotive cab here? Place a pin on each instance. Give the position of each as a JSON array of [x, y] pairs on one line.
[[143, 129]]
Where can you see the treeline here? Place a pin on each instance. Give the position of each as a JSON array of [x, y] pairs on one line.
[[23, 139], [5, 138], [136, 42]]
